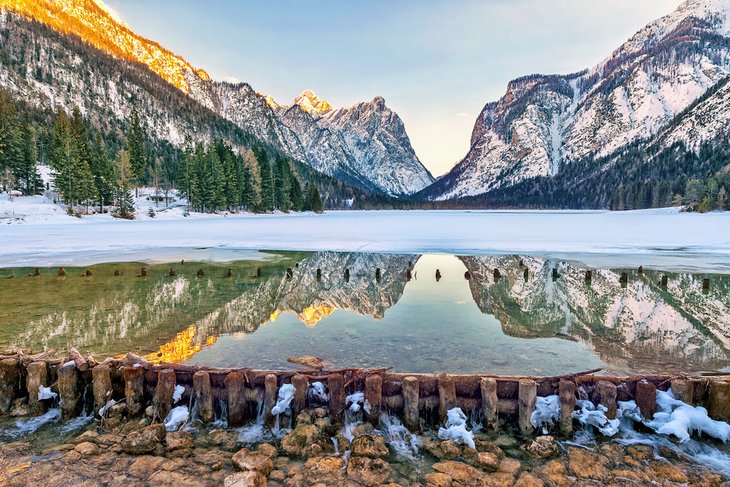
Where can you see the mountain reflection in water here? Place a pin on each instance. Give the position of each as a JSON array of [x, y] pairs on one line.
[[553, 322]]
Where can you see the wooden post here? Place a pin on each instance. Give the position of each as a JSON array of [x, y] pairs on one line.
[[665, 281], [270, 393], [78, 359], [607, 397], [497, 275], [143, 273], [719, 404], [9, 375], [526, 275], [373, 396], [527, 397], [61, 271], [347, 274], [37, 271], [203, 395], [319, 274], [624, 279], [447, 395], [411, 418], [229, 272], [336, 386], [37, 376], [301, 388], [234, 384], [683, 390], [556, 275], [706, 284], [68, 390], [377, 274], [164, 391], [566, 395], [641, 270], [258, 272], [490, 401], [589, 276], [101, 385], [646, 398], [467, 275], [133, 389]]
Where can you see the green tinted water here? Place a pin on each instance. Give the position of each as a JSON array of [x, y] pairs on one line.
[[507, 325]]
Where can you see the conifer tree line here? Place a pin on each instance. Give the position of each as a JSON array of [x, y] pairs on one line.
[[85, 172]]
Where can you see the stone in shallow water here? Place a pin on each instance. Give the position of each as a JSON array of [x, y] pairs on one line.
[[542, 447], [325, 470], [179, 440], [372, 446], [245, 460], [144, 440], [461, 472], [488, 461], [368, 471], [587, 465], [87, 448]]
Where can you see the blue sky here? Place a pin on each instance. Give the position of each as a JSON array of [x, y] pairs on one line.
[[436, 62]]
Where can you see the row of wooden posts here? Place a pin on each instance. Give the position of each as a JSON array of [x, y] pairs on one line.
[[420, 400], [623, 280]]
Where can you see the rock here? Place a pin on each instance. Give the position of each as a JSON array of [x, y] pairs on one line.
[[372, 446], [587, 465], [438, 479], [320, 413], [509, 465], [179, 440], [144, 440], [488, 461], [368, 471], [89, 435], [173, 465], [296, 441], [149, 411], [19, 407], [555, 473], [488, 446], [505, 441], [245, 460], [313, 450], [225, 440], [163, 478], [72, 456], [613, 452], [245, 479], [213, 459], [665, 471], [144, 466], [326, 470], [542, 447], [528, 480], [87, 448], [448, 450], [640, 452], [460, 472], [310, 362], [362, 429], [118, 410], [277, 475], [267, 450]]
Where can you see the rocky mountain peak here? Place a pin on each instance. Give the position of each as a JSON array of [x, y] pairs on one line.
[[311, 103]]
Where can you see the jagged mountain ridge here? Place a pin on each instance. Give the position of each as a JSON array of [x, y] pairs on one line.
[[545, 122], [385, 162], [365, 143]]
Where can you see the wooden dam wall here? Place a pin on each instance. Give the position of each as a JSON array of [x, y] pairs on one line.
[[420, 400]]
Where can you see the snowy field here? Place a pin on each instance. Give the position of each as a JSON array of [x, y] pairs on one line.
[[653, 238]]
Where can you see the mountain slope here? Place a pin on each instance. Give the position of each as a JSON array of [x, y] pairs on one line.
[[363, 144], [545, 122], [380, 160]]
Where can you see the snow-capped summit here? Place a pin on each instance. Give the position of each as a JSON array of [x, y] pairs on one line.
[[546, 121], [365, 144], [311, 103]]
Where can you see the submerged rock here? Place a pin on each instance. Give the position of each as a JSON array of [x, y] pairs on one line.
[[324, 470], [144, 440], [245, 460], [179, 440], [310, 361], [368, 471], [460, 472], [587, 465]]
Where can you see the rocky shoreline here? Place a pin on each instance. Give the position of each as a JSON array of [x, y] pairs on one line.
[[114, 452]]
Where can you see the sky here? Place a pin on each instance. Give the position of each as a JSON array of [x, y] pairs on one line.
[[436, 62]]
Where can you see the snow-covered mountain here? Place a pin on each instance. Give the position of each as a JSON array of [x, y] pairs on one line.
[[366, 144], [635, 94], [630, 326]]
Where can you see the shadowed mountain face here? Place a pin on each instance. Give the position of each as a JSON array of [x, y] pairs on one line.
[[633, 326]]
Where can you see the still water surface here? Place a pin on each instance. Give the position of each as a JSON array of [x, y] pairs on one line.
[[536, 317]]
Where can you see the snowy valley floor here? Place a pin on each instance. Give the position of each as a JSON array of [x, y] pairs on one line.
[[34, 233]]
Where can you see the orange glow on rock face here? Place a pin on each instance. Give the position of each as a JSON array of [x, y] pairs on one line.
[[181, 347], [311, 315], [95, 26]]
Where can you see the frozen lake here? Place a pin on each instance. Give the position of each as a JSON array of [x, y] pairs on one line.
[[652, 238]]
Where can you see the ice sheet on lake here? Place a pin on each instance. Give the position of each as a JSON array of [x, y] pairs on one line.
[[661, 236]]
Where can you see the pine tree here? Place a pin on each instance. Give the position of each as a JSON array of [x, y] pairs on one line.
[[104, 174], [125, 201], [722, 199], [27, 172], [268, 202], [135, 146], [314, 200], [295, 195]]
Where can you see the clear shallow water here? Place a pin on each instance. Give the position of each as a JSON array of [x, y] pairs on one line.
[[510, 325]]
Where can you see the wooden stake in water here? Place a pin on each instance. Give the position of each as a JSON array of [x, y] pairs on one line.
[[203, 395], [411, 418], [490, 402], [527, 398]]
